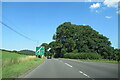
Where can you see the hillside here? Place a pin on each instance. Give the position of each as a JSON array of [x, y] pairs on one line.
[[27, 52]]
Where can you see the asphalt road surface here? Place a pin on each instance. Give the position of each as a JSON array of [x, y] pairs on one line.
[[63, 68]]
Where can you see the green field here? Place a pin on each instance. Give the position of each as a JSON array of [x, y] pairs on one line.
[[0, 64], [14, 65]]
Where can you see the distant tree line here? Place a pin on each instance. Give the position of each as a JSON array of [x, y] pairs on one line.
[[23, 52], [82, 42]]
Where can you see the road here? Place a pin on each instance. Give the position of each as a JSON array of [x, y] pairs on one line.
[[63, 68]]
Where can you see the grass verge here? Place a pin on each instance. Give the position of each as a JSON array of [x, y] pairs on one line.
[[97, 60], [15, 65], [18, 69]]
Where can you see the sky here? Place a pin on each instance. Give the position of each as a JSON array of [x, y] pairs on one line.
[[39, 20]]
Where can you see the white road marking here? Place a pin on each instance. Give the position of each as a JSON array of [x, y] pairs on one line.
[[86, 75], [80, 71], [68, 64]]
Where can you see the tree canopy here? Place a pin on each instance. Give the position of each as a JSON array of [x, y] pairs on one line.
[[46, 47], [71, 38]]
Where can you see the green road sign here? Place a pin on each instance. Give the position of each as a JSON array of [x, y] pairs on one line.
[[40, 50]]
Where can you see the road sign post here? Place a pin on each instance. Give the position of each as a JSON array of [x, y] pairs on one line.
[[40, 51]]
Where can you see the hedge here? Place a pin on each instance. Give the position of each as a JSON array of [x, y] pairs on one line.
[[82, 55]]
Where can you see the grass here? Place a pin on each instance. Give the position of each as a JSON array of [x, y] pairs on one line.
[[15, 64], [9, 58], [101, 60], [0, 64], [97, 60]]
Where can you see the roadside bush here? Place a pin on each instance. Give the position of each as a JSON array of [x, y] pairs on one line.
[[82, 56]]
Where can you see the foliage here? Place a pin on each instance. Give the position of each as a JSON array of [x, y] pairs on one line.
[[116, 55], [23, 52], [71, 38], [46, 47], [82, 56], [26, 52]]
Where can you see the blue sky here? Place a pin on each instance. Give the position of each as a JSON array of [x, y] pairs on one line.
[[39, 20]]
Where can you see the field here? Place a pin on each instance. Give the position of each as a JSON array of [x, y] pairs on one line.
[[14, 65], [0, 64]]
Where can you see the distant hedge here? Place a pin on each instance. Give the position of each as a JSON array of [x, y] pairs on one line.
[[82, 56]]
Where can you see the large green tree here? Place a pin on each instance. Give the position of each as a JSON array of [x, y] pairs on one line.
[[80, 38], [46, 47]]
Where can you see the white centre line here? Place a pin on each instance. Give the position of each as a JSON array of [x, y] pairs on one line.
[[68, 64], [86, 75], [80, 71]]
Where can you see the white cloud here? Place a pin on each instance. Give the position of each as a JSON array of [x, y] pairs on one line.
[[108, 17], [111, 3], [95, 5]]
